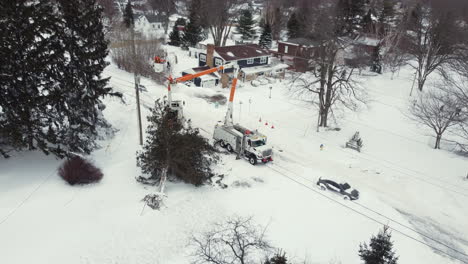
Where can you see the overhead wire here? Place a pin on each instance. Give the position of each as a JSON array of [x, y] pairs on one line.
[[372, 218]]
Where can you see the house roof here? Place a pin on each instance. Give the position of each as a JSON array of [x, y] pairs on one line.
[[237, 52], [301, 41], [137, 16], [367, 41], [154, 18]]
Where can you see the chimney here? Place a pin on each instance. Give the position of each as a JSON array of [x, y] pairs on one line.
[[209, 55]]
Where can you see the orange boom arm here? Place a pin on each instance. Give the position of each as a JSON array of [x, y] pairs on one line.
[[189, 77]]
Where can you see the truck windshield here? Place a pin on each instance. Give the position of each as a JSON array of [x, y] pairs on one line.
[[258, 143]]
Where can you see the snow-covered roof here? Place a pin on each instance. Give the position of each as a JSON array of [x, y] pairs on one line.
[[154, 18], [300, 41], [367, 41], [237, 52]]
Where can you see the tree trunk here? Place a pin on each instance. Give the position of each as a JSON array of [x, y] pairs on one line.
[[421, 80], [437, 143], [324, 118]]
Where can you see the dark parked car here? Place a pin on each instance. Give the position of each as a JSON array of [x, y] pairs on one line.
[[342, 189]]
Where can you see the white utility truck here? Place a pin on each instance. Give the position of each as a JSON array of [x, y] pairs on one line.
[[248, 144]]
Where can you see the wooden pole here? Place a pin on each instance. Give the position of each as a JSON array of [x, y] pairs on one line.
[[137, 90]]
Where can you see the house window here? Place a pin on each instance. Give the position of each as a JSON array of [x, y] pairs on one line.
[[250, 61], [203, 57], [218, 62], [159, 26], [263, 59], [286, 49]]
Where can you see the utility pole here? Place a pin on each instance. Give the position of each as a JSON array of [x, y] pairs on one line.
[[137, 81]]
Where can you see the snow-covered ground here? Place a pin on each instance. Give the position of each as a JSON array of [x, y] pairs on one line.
[[403, 182]]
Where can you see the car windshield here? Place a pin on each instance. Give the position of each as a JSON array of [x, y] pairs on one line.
[[257, 143]]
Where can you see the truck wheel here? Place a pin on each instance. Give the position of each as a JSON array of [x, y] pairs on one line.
[[222, 144], [229, 148], [253, 160], [346, 197]]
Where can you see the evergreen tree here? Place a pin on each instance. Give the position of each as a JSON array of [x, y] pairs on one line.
[[52, 56], [31, 52], [351, 14], [265, 38], [81, 82], [367, 23], [379, 250], [295, 28], [386, 16], [246, 25], [180, 150], [194, 31], [128, 19], [174, 37]]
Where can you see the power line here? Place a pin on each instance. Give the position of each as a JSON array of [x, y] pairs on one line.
[[386, 217], [27, 198], [370, 218]]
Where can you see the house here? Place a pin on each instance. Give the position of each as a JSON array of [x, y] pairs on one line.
[[155, 22], [206, 81], [149, 25], [367, 42], [253, 61], [297, 52]]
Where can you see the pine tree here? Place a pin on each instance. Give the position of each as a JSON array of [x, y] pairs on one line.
[[174, 37], [367, 23], [386, 16], [351, 14], [265, 38], [357, 12], [185, 154], [379, 250], [246, 25], [193, 31], [31, 53], [128, 19], [86, 51], [295, 28]]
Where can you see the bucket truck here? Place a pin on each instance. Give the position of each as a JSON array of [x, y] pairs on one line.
[[246, 143], [176, 106]]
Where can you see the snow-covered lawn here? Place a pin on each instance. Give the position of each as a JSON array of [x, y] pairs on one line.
[[401, 179]]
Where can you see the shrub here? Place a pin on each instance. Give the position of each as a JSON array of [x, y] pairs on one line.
[[77, 170]]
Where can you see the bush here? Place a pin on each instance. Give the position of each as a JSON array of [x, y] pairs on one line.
[[77, 170]]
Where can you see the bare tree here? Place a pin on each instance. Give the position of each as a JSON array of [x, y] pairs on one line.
[[439, 110], [142, 61], [165, 9], [220, 17], [333, 82], [456, 84], [434, 37], [235, 241], [273, 15]]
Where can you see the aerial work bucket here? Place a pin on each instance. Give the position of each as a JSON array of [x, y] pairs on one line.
[[158, 64]]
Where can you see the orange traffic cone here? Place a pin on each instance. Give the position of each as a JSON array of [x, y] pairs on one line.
[[260, 120]]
